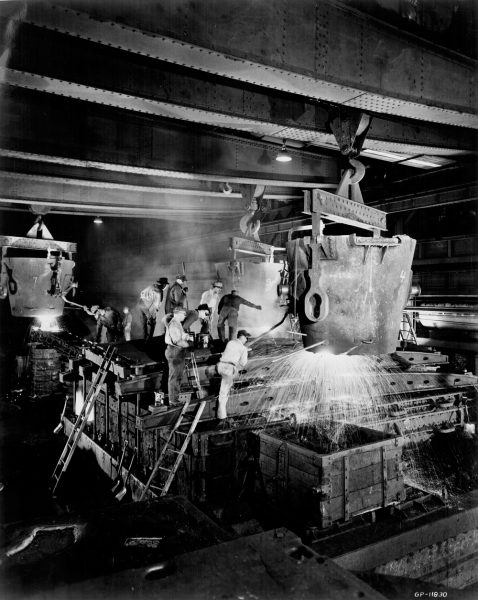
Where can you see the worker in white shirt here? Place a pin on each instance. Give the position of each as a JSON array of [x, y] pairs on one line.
[[149, 302], [127, 322], [233, 359], [211, 298]]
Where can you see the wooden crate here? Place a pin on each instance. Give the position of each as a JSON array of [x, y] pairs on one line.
[[335, 486], [45, 366]]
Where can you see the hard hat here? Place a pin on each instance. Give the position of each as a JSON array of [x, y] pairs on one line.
[[95, 307]]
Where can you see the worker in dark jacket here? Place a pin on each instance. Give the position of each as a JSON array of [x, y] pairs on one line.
[[177, 341], [229, 311], [109, 319], [177, 295]]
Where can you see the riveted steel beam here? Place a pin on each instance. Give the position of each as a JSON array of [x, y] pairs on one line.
[[323, 50], [106, 76], [220, 119], [194, 214], [96, 197], [90, 177], [18, 178], [467, 193], [47, 191], [40, 125], [344, 210]]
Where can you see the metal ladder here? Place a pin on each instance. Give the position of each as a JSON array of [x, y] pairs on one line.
[[82, 418], [168, 447]]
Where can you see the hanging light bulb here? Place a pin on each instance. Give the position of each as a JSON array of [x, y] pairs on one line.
[[98, 221], [283, 155]]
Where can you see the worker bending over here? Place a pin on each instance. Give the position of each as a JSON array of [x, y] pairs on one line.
[[149, 302], [233, 359], [229, 311], [109, 319]]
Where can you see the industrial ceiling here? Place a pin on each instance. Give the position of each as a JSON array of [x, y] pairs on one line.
[[167, 109]]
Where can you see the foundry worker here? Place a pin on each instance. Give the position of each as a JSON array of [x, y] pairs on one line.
[[109, 319], [210, 298], [149, 303], [127, 322], [233, 359], [229, 311], [177, 295], [176, 344]]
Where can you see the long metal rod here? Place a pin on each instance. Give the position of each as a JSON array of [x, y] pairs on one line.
[[301, 350]]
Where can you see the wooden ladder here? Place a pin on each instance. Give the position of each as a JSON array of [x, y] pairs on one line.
[[407, 335], [75, 434], [168, 447], [193, 376]]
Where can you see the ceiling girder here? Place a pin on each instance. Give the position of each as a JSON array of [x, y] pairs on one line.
[[91, 177], [103, 75], [162, 148], [94, 197], [322, 50], [466, 193]]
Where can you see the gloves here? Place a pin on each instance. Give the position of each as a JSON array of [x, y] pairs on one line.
[[259, 307]]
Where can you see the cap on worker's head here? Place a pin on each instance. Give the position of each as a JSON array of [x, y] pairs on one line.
[[181, 277], [179, 309], [203, 307], [243, 332], [163, 281], [233, 291], [217, 284]]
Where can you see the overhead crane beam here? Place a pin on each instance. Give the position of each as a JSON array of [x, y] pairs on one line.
[[107, 76], [321, 50]]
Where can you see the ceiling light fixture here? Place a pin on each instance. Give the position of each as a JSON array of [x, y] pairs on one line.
[[98, 221], [283, 155]]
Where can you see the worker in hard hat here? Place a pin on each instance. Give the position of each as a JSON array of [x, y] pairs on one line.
[[150, 300], [177, 341], [177, 294], [233, 359], [210, 298], [229, 311], [108, 319]]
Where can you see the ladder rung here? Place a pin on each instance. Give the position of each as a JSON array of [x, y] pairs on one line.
[[164, 469]]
